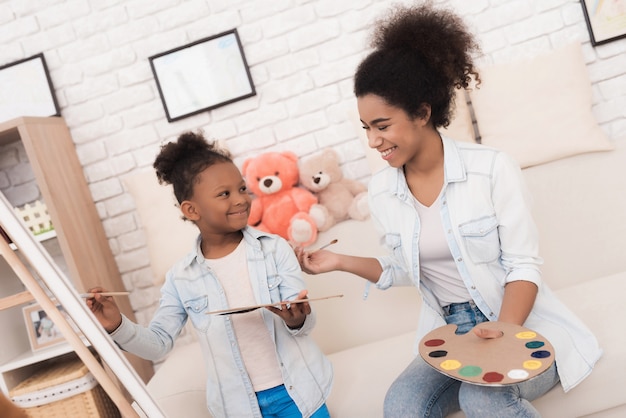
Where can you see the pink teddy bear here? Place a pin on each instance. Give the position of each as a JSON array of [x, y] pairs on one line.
[[279, 206]]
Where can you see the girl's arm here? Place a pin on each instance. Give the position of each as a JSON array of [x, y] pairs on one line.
[[298, 317]]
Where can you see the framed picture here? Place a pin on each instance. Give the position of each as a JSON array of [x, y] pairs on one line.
[[26, 89], [606, 20], [42, 332], [203, 75]]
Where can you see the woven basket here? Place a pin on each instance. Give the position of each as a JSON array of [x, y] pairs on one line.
[[64, 388]]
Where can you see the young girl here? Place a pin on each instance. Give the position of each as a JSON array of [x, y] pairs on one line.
[[259, 363], [455, 218]]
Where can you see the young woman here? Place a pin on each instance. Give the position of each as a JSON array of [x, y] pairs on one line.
[[456, 219], [259, 363]]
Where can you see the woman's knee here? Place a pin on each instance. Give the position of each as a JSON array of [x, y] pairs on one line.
[[496, 402], [420, 391]]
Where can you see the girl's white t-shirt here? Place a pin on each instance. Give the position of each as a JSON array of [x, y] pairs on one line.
[[257, 348]]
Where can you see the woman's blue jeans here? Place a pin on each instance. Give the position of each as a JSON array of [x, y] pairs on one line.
[[421, 391], [276, 403]]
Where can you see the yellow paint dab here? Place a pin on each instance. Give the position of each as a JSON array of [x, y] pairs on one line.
[[450, 364], [526, 335], [532, 364]]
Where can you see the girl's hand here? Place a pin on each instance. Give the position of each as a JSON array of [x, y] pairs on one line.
[[105, 309], [294, 314]]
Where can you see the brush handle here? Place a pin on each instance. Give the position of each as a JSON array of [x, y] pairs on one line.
[[91, 295], [326, 245]]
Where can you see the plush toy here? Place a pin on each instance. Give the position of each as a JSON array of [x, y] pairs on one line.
[[280, 206], [343, 198]]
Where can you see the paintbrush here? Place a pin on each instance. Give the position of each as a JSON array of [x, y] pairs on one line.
[[326, 245], [92, 294]]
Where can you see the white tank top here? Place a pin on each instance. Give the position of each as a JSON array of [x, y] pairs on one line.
[[437, 268]]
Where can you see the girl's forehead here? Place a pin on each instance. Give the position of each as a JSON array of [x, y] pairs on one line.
[[220, 172]]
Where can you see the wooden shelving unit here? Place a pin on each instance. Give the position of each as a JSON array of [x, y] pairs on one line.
[[78, 233]]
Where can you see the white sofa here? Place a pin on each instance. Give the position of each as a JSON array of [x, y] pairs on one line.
[[580, 209], [545, 122]]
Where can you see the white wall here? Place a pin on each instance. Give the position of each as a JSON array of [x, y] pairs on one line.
[[302, 56]]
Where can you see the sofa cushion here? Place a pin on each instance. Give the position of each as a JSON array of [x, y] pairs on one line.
[[168, 236], [538, 110], [461, 125], [599, 304], [581, 220], [364, 373]]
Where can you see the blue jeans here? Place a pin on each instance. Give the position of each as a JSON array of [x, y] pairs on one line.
[[276, 403], [421, 391]]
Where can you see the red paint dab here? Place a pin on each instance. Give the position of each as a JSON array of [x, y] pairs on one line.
[[493, 377], [434, 343]]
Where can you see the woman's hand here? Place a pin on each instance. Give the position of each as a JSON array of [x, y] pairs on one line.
[[294, 314], [105, 309], [315, 262], [488, 334]]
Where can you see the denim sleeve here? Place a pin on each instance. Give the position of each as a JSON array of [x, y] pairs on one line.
[[156, 340], [291, 282], [519, 241], [393, 265]]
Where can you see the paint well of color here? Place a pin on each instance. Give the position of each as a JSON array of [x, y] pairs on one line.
[[534, 344], [436, 343], [517, 374], [470, 371], [438, 353], [450, 364], [540, 354], [526, 335], [493, 377], [532, 364]]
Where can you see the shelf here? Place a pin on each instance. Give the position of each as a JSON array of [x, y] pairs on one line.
[[79, 246], [32, 357], [40, 238]]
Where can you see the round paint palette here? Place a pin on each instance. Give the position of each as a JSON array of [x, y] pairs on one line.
[[520, 354]]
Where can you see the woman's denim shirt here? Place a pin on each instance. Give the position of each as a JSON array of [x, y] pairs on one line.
[[191, 290], [485, 210]]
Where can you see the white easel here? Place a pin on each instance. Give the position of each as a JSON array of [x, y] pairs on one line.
[[66, 295]]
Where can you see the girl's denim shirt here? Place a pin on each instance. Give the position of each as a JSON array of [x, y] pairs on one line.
[[191, 290], [486, 213]]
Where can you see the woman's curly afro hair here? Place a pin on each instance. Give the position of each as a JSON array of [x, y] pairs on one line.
[[421, 55]]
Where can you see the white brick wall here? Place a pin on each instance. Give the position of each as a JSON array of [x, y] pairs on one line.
[[302, 56]]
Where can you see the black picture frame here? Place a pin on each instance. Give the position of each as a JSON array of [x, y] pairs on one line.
[[202, 75], [26, 89], [603, 23]]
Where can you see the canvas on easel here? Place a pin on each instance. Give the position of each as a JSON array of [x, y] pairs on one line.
[[65, 294]]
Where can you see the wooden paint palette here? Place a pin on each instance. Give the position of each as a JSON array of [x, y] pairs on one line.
[[244, 309], [520, 354]]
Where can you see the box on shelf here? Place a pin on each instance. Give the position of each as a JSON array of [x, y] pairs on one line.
[[36, 217], [64, 387]]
